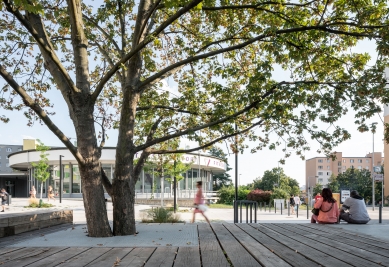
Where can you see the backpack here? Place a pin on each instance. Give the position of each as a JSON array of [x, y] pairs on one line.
[[4, 197], [291, 201]]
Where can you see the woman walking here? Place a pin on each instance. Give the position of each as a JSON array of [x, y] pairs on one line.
[[328, 208], [33, 192], [199, 202], [50, 193], [4, 197]]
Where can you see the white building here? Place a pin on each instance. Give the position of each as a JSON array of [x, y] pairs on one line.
[[202, 168]]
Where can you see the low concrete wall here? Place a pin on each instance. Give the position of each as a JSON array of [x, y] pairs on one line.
[[16, 223]]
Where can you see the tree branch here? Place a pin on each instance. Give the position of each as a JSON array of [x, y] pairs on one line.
[[29, 102], [209, 143], [43, 41], [106, 35], [257, 5], [141, 45], [169, 108], [167, 71], [106, 183]]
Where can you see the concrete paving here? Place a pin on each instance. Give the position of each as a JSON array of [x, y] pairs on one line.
[[180, 234]]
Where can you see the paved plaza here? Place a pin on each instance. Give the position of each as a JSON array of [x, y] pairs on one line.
[[168, 234]]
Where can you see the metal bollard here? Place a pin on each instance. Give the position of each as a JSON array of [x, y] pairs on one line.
[[380, 214], [307, 211], [9, 199], [275, 208], [288, 209], [281, 208], [297, 210]]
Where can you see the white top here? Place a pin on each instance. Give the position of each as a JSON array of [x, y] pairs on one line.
[[296, 200]]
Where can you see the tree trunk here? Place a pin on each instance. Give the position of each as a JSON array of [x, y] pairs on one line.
[[94, 201], [123, 207]]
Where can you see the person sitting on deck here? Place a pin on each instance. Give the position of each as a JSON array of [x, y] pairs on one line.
[[329, 211], [357, 212]]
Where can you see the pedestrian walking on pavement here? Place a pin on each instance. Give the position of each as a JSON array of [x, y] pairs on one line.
[[199, 202], [4, 196]]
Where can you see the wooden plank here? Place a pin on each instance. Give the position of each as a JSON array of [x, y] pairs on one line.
[[315, 253], [137, 257], [59, 258], [344, 237], [113, 256], [188, 257], [351, 235], [162, 257], [7, 250], [260, 252], [14, 254], [85, 257], [286, 253], [37, 255], [354, 256], [234, 250], [211, 252]]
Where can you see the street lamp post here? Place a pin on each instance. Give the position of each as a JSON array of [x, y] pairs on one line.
[[309, 188], [239, 179], [60, 178], [372, 171]]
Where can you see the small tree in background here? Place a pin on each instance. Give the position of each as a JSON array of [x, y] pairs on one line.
[[317, 189], [333, 184], [41, 168]]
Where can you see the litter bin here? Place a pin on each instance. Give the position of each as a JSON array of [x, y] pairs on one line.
[[9, 199]]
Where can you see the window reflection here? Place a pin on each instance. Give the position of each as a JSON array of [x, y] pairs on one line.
[[76, 188]]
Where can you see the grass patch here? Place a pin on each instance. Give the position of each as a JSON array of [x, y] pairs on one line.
[[221, 206], [34, 203], [161, 215]]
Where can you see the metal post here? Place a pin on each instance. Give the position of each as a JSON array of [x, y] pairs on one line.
[[255, 214], [175, 188], [241, 212], [60, 178], [281, 208], [308, 210], [247, 212], [372, 172], [288, 209], [297, 210], [236, 167], [380, 214]]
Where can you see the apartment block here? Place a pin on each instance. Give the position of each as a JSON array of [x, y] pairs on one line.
[[320, 169]]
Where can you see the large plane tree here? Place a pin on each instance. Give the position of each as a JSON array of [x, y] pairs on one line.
[[111, 59]]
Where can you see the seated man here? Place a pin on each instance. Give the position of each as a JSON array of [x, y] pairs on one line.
[[356, 207]]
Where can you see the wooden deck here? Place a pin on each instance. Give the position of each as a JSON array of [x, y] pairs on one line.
[[302, 245]]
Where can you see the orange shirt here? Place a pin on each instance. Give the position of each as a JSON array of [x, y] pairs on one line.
[[327, 217]]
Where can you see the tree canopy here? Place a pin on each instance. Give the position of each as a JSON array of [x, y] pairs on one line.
[[111, 59], [276, 178]]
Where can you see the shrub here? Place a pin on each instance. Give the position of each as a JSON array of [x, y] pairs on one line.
[[161, 215], [259, 195], [227, 194], [279, 193], [34, 203]]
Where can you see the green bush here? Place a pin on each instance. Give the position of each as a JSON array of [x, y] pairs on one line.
[[279, 193], [161, 215], [227, 194]]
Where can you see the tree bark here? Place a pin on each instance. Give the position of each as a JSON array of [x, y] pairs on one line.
[[123, 207], [94, 202]]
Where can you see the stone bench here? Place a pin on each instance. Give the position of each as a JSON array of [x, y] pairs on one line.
[[16, 223]]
